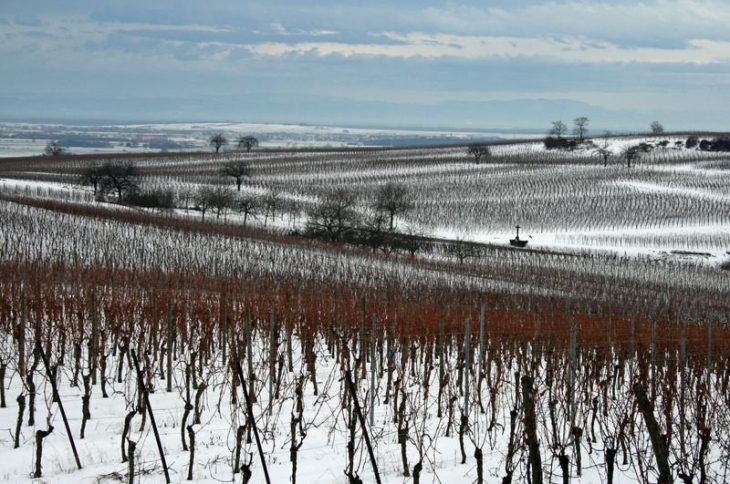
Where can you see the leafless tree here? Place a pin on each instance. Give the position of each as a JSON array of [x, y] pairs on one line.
[[185, 197], [580, 127], [249, 205], [392, 199], [479, 152], [462, 250], [247, 142], [603, 150], [217, 198], [558, 129], [656, 127], [334, 216], [236, 168], [410, 241], [92, 176], [120, 178], [631, 154], [221, 199], [273, 202], [217, 140], [53, 148]]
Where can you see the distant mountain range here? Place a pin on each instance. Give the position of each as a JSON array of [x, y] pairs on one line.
[[523, 115]]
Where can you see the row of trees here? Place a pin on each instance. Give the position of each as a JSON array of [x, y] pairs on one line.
[[219, 140], [720, 143], [337, 219], [216, 140], [120, 179], [580, 130], [123, 180]]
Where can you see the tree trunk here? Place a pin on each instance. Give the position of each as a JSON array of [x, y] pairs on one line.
[[661, 453], [19, 425], [125, 432], [480, 465], [191, 436], [39, 436], [132, 447], [85, 410], [3, 367], [237, 452], [610, 465], [533, 444]]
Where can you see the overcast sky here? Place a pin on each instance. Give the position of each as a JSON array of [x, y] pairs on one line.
[[462, 64]]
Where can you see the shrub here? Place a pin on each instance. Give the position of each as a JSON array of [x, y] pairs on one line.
[[721, 143], [162, 199], [692, 141], [553, 143]]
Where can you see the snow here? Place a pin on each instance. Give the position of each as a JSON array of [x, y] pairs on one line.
[[322, 458], [653, 187], [274, 128]]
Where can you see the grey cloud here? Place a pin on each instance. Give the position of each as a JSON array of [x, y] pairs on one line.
[[247, 36], [183, 46], [656, 23]]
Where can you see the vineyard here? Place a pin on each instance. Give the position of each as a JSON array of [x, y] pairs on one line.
[[151, 344]]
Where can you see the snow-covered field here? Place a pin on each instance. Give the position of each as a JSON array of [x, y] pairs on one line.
[[321, 421], [24, 139], [612, 246]]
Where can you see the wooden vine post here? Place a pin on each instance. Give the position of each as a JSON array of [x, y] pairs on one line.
[[57, 399], [351, 387], [146, 397], [252, 421]]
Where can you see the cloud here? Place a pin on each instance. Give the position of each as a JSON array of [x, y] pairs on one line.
[[624, 54], [559, 49], [657, 23]]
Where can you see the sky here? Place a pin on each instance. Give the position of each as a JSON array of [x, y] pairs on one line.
[[423, 63]]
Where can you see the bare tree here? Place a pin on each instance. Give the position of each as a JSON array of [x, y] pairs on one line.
[[221, 200], [54, 149], [247, 142], [334, 216], [273, 202], [656, 127], [217, 140], [580, 127], [631, 154], [236, 168], [393, 199], [603, 151], [558, 129], [249, 205], [410, 240], [373, 231], [462, 250], [92, 176], [217, 198], [479, 152], [119, 178], [202, 200], [185, 197]]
